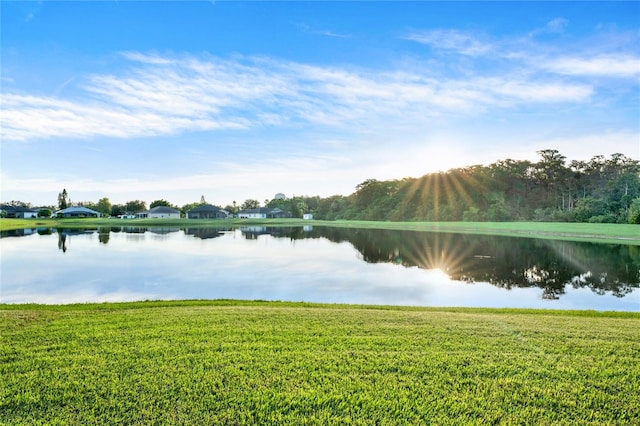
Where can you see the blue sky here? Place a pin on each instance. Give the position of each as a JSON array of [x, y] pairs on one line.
[[236, 100]]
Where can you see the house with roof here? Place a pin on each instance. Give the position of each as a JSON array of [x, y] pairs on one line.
[[159, 212], [17, 212], [263, 213], [77, 212], [207, 211]]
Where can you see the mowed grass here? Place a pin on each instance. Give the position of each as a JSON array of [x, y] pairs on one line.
[[225, 362], [593, 232]]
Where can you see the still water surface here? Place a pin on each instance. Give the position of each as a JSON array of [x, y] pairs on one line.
[[318, 264]]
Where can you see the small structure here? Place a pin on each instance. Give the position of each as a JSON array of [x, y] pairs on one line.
[[207, 211], [279, 196], [307, 216], [77, 211], [159, 212], [18, 212]]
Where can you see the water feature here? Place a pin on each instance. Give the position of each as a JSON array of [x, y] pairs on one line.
[[318, 264]]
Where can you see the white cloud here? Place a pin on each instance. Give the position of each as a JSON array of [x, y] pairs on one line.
[[165, 95], [459, 41], [624, 66], [555, 26]]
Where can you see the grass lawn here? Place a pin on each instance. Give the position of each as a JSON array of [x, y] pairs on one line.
[[226, 362], [594, 232]]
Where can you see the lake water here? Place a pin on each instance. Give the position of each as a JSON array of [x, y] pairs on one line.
[[316, 264]]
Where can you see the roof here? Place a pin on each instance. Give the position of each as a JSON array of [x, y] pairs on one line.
[[163, 209], [264, 210], [77, 209], [205, 208], [17, 209]]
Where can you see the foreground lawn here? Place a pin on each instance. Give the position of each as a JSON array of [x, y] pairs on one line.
[[594, 232], [284, 363]]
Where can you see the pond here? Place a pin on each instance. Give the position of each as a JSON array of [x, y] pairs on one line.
[[315, 264]]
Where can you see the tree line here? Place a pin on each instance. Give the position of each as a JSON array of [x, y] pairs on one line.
[[601, 190]]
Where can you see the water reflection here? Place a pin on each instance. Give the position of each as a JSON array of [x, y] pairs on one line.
[[504, 262], [553, 268]]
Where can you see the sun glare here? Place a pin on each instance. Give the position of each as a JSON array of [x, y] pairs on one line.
[[439, 274]]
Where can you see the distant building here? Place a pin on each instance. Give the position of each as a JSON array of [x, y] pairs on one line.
[[263, 213], [307, 216], [77, 211], [207, 211], [18, 212], [159, 212], [279, 196]]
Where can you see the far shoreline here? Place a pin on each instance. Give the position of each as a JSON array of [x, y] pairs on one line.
[[607, 233]]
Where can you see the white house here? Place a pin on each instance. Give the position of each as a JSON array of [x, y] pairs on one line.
[[159, 212], [259, 213], [263, 213], [307, 216]]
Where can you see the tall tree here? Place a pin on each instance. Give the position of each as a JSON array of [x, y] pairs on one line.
[[63, 199]]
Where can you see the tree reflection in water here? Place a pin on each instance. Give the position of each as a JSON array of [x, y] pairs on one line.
[[504, 262]]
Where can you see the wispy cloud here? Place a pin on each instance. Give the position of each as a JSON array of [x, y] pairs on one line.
[[323, 32], [623, 66], [555, 26], [168, 94], [605, 54], [461, 42]]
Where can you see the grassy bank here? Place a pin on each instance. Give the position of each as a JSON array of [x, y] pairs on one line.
[[266, 363], [604, 233]]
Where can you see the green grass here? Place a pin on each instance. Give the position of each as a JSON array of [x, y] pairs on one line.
[[602, 233], [230, 362]]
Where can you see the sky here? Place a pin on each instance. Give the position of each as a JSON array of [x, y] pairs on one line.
[[235, 100]]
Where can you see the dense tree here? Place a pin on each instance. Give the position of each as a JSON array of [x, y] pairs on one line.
[[250, 204], [103, 206], [17, 203], [599, 190], [634, 211], [44, 213], [118, 210], [135, 206]]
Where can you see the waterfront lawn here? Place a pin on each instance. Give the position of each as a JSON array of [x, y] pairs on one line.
[[226, 362]]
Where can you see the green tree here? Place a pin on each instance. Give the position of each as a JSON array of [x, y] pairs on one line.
[[634, 211], [184, 209], [63, 199], [118, 210], [103, 206], [250, 204], [135, 206], [160, 202], [44, 213], [298, 207]]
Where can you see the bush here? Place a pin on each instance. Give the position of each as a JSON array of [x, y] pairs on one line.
[[603, 218]]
